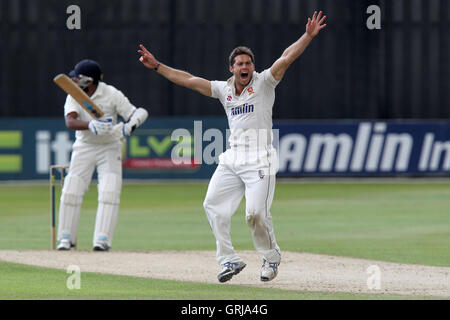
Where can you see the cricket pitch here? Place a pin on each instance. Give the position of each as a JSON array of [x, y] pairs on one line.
[[297, 271]]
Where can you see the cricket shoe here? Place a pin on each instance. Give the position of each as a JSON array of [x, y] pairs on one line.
[[269, 270], [101, 247], [65, 245], [229, 269]]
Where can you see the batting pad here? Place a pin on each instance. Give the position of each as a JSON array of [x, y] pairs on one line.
[[70, 206], [109, 189]]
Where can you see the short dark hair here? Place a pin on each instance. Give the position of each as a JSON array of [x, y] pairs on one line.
[[241, 50]]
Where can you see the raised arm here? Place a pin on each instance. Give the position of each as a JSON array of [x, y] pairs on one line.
[[178, 77], [289, 55]]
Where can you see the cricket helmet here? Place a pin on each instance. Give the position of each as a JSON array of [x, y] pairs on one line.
[[88, 68]]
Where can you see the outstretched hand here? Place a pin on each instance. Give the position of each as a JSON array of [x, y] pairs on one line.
[[147, 58], [315, 24]]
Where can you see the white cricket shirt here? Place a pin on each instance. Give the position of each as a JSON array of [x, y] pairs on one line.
[[112, 102], [250, 113]]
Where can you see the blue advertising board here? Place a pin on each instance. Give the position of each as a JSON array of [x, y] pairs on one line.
[[367, 148], [188, 148]]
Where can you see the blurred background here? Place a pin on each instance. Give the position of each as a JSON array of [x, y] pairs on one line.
[[348, 72], [398, 73]]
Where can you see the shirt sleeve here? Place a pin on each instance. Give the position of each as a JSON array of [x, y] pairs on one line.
[[217, 89], [123, 106], [71, 106], [269, 79]]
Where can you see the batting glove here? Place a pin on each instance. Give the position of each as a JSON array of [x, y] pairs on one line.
[[122, 130], [128, 129], [101, 127], [117, 130]]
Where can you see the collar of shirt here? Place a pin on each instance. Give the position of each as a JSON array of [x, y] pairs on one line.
[[230, 83], [99, 90]]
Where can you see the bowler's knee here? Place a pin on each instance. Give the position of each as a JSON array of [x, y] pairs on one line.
[[213, 211], [254, 215], [209, 202], [207, 206], [255, 210]]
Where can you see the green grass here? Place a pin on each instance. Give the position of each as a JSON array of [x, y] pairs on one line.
[[395, 222], [27, 283]]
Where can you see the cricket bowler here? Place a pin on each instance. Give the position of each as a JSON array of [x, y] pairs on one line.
[[98, 145], [249, 166]]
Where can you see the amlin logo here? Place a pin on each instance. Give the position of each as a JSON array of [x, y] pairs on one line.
[[373, 149]]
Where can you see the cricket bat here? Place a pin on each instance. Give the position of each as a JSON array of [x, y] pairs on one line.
[[71, 88]]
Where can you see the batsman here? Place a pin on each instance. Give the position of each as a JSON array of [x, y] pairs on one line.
[[98, 145]]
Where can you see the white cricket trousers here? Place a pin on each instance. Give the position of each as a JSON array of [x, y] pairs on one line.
[[232, 180], [84, 160]]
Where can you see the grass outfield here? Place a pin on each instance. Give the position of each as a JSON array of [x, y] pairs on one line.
[[25, 282], [395, 222]]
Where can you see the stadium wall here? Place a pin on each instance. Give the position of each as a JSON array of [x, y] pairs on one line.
[[348, 72]]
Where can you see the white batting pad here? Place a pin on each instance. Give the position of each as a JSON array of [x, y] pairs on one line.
[[109, 189], [69, 210]]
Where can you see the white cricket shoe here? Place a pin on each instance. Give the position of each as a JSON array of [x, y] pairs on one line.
[[269, 270], [101, 247], [229, 269], [64, 245]]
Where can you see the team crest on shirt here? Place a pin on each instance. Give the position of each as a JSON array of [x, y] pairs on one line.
[[261, 174], [229, 98], [250, 91]]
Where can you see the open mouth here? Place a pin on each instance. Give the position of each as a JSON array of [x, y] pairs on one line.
[[244, 75]]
